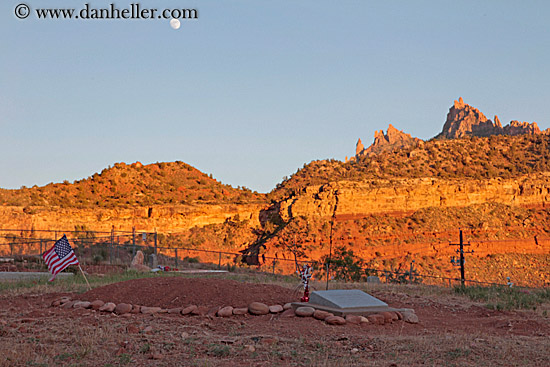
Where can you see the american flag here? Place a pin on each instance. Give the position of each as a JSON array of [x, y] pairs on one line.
[[59, 257]]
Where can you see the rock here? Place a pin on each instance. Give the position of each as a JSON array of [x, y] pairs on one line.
[[141, 268], [269, 340], [288, 313], [276, 309], [27, 319], [399, 315], [388, 317], [335, 320], [213, 311], [123, 308], [258, 308], [321, 315], [157, 355], [96, 305], [250, 348], [138, 263], [150, 310], [226, 311], [465, 120], [353, 319], [68, 304], [56, 303], [187, 310], [410, 317], [138, 259], [515, 128], [304, 311], [240, 311], [108, 307], [287, 306], [132, 329], [364, 320], [82, 304], [136, 309], [393, 139], [376, 319], [359, 147], [174, 310], [201, 311]]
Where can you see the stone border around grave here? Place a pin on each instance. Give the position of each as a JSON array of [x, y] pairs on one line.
[[295, 309]]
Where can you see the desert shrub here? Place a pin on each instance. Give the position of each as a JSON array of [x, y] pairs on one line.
[[344, 265], [191, 260], [410, 276]]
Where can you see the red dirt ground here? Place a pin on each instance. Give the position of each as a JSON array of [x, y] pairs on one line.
[[180, 292], [451, 327]]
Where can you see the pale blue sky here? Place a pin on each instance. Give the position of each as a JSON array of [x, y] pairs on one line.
[[253, 89]]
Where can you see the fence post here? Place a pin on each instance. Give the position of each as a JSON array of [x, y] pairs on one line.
[[41, 247], [219, 260], [176, 250], [133, 242], [155, 242], [111, 249]]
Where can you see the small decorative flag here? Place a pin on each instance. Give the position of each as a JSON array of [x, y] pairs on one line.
[[59, 257]]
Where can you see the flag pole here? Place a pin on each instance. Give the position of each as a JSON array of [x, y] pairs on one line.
[[84, 275]]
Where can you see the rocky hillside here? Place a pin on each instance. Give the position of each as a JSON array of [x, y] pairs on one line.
[[498, 156], [128, 186], [398, 200], [166, 197], [403, 199]]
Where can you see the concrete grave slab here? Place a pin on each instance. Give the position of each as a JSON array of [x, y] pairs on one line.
[[345, 298], [343, 302]]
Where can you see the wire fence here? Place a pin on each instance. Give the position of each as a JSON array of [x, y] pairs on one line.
[[118, 248]]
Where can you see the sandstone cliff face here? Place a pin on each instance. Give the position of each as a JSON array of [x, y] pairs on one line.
[[392, 139], [357, 199], [164, 219]]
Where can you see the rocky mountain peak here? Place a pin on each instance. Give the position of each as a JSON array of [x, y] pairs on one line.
[[359, 147], [519, 128], [463, 120], [392, 139]]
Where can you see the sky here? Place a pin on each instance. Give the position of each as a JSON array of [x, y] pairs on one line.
[[251, 90]]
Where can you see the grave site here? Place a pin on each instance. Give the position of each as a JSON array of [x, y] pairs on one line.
[[410, 252], [246, 318]]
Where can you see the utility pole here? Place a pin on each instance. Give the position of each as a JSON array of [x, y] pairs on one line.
[[332, 219], [330, 249], [460, 262]]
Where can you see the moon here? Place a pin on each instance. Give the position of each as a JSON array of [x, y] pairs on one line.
[[175, 23]]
